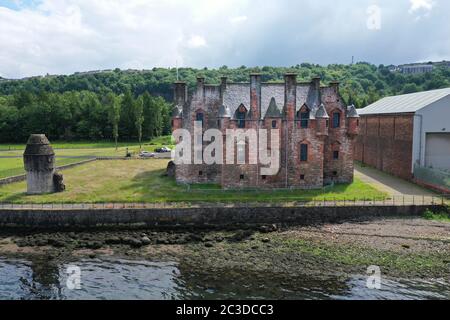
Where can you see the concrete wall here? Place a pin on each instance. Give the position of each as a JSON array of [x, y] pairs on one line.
[[199, 217]]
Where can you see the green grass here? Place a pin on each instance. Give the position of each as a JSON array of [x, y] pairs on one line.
[[10, 167], [163, 141], [78, 150], [143, 181], [439, 216]]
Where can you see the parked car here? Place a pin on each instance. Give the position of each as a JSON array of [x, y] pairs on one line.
[[163, 150], [146, 154]]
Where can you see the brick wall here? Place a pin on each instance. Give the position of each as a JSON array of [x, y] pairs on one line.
[[385, 142]]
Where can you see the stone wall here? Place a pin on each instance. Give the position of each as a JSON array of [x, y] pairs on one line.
[[214, 217]]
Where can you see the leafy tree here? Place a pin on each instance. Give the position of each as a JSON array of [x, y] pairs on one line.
[[139, 118], [114, 114]]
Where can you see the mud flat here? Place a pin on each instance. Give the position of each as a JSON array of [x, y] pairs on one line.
[[406, 247]]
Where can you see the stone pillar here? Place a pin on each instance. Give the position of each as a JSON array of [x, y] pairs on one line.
[[39, 161]]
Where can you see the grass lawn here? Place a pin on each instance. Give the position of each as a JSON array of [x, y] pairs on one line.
[[10, 167], [143, 181], [78, 150]]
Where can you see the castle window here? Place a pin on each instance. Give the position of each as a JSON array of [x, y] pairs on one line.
[[264, 177], [302, 177], [241, 177], [218, 124], [200, 173], [303, 152], [335, 155], [335, 173], [336, 120], [357, 122], [241, 119], [304, 119], [241, 153], [274, 124], [199, 117], [328, 123]]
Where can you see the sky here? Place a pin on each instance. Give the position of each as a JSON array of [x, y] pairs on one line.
[[39, 37]]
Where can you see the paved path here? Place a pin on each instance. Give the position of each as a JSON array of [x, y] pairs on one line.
[[392, 185]]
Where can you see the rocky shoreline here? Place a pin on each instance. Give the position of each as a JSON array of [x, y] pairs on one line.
[[409, 248]]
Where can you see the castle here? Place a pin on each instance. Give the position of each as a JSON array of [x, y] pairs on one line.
[[316, 131]]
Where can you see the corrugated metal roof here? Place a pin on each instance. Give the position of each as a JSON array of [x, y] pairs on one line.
[[406, 103]]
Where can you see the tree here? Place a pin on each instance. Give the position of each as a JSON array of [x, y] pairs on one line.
[[114, 114], [139, 118], [127, 123]]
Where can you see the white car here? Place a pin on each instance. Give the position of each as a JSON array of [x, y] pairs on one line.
[[146, 154]]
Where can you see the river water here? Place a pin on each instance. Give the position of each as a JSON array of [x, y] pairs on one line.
[[116, 278]]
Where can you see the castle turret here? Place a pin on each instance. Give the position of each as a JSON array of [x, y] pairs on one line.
[[322, 119], [224, 117], [352, 121]]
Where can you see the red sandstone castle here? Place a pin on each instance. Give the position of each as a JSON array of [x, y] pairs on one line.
[[316, 137]]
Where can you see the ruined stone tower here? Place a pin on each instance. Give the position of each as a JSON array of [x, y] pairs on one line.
[[39, 161]]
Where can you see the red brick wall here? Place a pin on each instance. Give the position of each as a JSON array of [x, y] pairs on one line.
[[385, 142]]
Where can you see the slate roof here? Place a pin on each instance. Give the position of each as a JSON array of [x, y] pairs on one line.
[[273, 111], [351, 112], [224, 112], [321, 112], [406, 103]]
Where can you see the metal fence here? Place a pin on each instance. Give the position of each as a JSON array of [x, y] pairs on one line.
[[293, 202], [434, 177]]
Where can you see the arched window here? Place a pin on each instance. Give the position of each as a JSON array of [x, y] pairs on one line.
[[303, 115], [240, 116]]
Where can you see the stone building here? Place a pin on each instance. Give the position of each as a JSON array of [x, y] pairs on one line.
[[316, 131]]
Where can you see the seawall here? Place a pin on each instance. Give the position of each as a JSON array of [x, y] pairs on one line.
[[214, 217]]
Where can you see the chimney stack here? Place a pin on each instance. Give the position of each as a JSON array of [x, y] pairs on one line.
[[290, 95]]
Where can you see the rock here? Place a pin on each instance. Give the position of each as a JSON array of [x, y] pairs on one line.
[[113, 240], [58, 181], [208, 245], [170, 170], [265, 240], [406, 246], [135, 243], [94, 245], [146, 241]]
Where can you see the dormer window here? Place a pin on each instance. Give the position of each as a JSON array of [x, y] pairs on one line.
[[304, 119], [303, 115], [240, 116], [199, 117]]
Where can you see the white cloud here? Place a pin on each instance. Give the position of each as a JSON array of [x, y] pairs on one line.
[[238, 19], [416, 5], [196, 41], [65, 36]]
